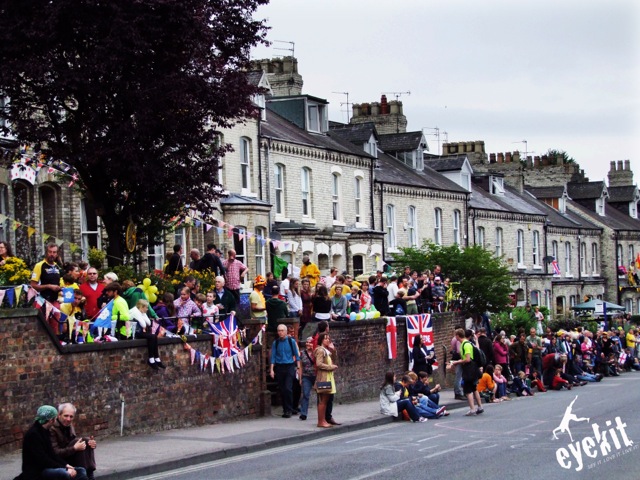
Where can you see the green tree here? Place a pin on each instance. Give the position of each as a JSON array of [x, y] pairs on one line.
[[132, 94], [484, 280]]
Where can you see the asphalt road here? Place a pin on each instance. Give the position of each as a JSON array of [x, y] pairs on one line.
[[511, 439]]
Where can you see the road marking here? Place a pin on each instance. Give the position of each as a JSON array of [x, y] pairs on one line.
[[370, 437], [248, 456], [454, 449], [382, 470], [430, 438]]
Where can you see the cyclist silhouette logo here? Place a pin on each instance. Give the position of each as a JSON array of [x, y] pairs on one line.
[[568, 417]]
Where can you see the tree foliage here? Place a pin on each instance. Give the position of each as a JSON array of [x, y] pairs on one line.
[[131, 94], [484, 280]]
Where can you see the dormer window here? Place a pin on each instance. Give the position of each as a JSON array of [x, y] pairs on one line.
[[317, 115], [371, 147], [497, 185], [600, 206], [562, 205], [633, 209]]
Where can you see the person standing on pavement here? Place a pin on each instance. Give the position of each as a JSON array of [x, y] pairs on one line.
[[469, 371], [39, 461], [455, 355], [70, 447], [308, 379], [285, 359], [325, 369]]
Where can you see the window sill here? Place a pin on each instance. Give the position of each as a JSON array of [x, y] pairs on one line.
[[281, 219], [361, 225], [568, 275], [537, 267], [309, 221], [522, 266], [248, 193], [393, 250], [338, 223]]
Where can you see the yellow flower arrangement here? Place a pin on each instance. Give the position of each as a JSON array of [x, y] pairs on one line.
[[14, 272]]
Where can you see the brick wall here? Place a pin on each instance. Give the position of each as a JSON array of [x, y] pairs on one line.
[[34, 371]]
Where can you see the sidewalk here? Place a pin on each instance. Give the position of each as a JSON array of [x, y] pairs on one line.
[[128, 457]]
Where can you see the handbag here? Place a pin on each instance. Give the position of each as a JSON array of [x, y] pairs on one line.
[[323, 387]]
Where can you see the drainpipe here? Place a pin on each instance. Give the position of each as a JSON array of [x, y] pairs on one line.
[[466, 223], [371, 193], [618, 296], [382, 218], [260, 157], [472, 214]]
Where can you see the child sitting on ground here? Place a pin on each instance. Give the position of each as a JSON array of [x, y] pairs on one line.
[[520, 386], [558, 383]]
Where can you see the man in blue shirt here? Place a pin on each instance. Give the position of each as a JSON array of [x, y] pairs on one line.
[[285, 359]]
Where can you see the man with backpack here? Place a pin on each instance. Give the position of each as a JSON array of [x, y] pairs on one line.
[[471, 361], [285, 362]]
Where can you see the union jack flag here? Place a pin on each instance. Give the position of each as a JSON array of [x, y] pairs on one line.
[[420, 325], [556, 267], [225, 338]]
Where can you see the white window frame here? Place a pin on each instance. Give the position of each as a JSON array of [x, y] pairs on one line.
[[180, 238], [456, 227], [357, 191], [499, 240], [155, 257], [260, 252], [554, 250], [497, 185], [85, 233], [245, 164], [336, 197], [594, 260], [520, 249], [628, 304], [567, 260], [631, 254], [480, 236], [390, 228], [305, 188], [240, 256], [583, 259], [600, 206], [535, 249], [437, 228], [278, 185], [412, 226], [620, 256]]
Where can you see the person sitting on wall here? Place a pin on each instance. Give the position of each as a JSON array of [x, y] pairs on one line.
[[69, 446], [223, 297], [339, 307]]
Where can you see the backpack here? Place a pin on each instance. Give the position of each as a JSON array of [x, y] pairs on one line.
[[479, 358]]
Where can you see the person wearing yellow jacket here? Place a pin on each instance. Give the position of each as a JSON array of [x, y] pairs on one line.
[[309, 270]]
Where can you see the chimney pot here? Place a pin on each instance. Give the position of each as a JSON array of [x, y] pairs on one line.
[[619, 165], [612, 167], [627, 165], [492, 158]]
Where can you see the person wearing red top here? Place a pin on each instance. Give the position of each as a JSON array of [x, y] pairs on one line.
[[92, 289]]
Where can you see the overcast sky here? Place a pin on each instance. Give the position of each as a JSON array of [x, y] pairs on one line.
[[558, 74]]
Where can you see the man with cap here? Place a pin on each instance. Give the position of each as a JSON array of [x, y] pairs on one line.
[[437, 291], [39, 461], [309, 270], [256, 299]]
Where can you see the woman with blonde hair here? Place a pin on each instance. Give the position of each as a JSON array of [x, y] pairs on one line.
[[325, 369]]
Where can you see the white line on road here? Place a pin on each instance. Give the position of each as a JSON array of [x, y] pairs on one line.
[[262, 453], [454, 448], [430, 438], [377, 473]]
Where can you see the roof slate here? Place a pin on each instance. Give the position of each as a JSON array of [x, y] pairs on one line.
[[546, 192], [279, 128], [512, 201], [446, 164], [358, 133], [585, 190], [394, 171], [626, 193], [400, 142]]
